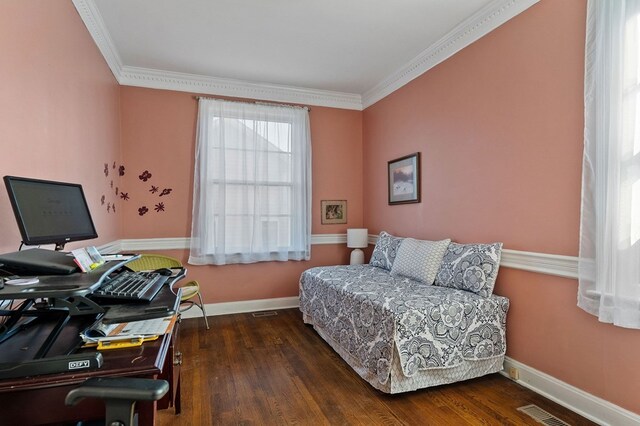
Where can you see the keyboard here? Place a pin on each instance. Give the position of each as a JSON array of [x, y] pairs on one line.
[[127, 286]]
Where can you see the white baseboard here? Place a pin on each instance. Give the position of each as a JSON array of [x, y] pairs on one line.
[[244, 306], [593, 408], [589, 406], [577, 400]]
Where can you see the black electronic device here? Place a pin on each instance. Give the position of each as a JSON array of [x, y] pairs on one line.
[[38, 261], [57, 364], [50, 212], [127, 286], [164, 271], [127, 313]]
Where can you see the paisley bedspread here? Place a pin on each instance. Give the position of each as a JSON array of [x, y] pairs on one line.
[[374, 316]]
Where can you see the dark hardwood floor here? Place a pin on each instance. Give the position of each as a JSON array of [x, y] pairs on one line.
[[274, 370]]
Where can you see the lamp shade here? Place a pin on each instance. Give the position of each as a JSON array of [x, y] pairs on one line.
[[357, 238]]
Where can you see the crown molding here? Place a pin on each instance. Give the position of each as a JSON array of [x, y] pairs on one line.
[[155, 79], [482, 22], [476, 26], [92, 19], [183, 82]]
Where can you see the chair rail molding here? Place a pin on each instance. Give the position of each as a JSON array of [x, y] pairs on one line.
[[543, 263], [550, 264]]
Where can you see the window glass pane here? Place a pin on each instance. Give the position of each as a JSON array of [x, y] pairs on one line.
[[272, 136], [258, 172], [277, 167], [636, 121], [635, 212], [253, 178]]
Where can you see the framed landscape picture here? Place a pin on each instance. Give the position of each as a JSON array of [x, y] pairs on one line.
[[404, 179], [334, 211]]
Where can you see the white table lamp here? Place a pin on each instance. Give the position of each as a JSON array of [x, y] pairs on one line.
[[357, 238]]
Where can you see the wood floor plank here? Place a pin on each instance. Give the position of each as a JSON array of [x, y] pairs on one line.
[[275, 370]]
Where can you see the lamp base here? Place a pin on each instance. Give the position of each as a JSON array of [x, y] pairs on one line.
[[357, 257]]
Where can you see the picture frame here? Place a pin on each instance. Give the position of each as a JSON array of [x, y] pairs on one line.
[[404, 179], [333, 211]]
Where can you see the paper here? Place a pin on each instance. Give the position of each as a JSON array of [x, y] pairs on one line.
[[22, 281], [128, 331], [124, 343], [150, 327], [94, 254], [87, 258]]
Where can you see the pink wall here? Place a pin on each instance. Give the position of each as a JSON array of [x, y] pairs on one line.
[[158, 135], [256, 281], [59, 109], [500, 126]]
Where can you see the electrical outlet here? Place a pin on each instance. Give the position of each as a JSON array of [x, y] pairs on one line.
[[514, 373]]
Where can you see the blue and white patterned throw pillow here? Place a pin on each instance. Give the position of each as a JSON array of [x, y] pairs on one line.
[[419, 259], [385, 251], [470, 267]]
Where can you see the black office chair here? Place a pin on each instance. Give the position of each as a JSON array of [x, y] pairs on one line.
[[120, 395]]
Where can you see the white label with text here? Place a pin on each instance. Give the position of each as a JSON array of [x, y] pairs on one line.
[[74, 365]]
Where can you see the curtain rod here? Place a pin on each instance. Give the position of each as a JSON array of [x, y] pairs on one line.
[[255, 102]]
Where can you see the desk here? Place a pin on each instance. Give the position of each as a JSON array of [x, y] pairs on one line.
[[40, 399]]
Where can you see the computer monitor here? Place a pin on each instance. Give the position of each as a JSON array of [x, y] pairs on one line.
[[50, 212]]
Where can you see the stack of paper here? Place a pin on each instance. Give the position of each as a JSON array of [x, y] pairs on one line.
[[87, 258], [128, 334]]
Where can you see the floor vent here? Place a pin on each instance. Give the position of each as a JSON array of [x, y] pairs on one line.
[[264, 314], [542, 416]]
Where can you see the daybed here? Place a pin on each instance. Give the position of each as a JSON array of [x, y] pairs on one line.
[[397, 330]]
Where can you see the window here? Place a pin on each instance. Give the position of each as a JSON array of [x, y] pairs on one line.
[[609, 268], [252, 184]]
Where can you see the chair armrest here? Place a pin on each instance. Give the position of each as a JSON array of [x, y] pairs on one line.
[[124, 388]]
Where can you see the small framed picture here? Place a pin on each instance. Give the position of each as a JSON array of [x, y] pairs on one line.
[[334, 211], [404, 179]]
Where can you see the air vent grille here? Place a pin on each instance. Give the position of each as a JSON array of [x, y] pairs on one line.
[[264, 314], [542, 416]]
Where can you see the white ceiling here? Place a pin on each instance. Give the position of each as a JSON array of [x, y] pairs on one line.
[[345, 53]]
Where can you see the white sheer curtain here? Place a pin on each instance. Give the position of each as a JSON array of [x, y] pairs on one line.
[[609, 266], [252, 184]]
